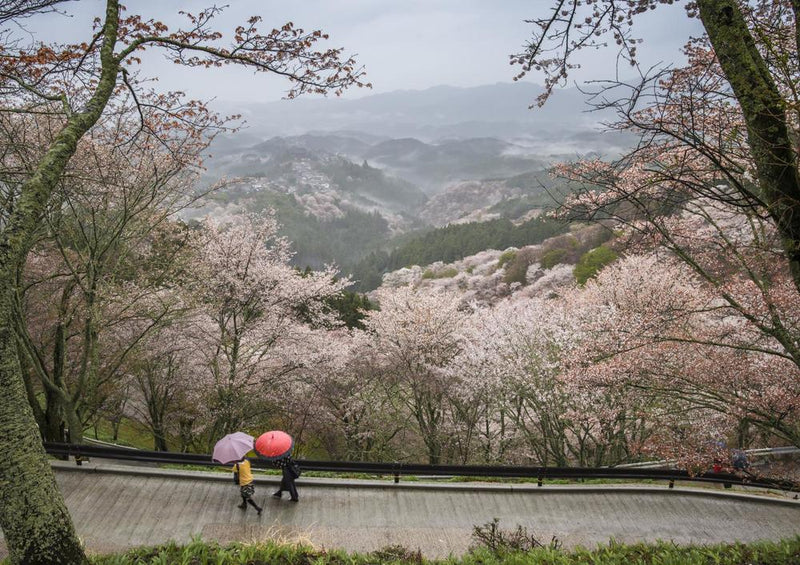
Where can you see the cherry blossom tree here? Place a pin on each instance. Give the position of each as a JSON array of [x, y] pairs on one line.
[[722, 127], [254, 314], [164, 389], [78, 85], [518, 358], [478, 370], [356, 416], [663, 334], [713, 180], [112, 237], [416, 336], [76, 354]]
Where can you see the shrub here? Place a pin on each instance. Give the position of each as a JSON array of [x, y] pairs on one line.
[[592, 261], [506, 257], [443, 274], [516, 272], [553, 258], [397, 553], [499, 542], [492, 546], [447, 273]]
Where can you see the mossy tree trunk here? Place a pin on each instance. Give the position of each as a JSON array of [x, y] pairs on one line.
[[34, 518], [764, 111], [35, 521]]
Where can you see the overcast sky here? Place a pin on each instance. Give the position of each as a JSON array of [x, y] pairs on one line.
[[404, 44]]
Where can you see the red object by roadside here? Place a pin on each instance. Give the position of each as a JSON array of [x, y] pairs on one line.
[[274, 445]]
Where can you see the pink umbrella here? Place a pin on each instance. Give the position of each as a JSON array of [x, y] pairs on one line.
[[233, 447], [274, 445]]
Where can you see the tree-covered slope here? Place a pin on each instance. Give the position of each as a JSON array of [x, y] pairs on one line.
[[450, 243]]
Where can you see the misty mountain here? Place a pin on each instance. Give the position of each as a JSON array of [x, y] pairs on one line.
[[434, 166], [347, 144], [347, 177], [431, 166], [444, 112], [304, 167]]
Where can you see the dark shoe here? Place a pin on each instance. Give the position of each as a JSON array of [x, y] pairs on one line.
[[243, 506], [277, 494], [295, 500], [259, 511]]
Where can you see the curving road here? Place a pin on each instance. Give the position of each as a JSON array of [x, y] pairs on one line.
[[116, 507]]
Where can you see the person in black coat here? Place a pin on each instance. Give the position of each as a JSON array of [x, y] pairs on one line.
[[290, 471]]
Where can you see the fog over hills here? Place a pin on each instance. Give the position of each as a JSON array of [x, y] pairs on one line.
[[349, 177], [432, 137], [430, 166], [500, 110]]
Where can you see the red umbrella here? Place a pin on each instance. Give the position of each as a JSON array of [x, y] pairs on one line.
[[274, 445]]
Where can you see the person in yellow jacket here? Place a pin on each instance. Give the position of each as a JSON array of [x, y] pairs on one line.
[[247, 489]]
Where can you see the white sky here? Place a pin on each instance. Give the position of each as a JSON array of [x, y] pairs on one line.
[[404, 44]]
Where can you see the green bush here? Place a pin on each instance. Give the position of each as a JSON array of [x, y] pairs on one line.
[[517, 271], [553, 258], [592, 261], [503, 552], [448, 273], [506, 257]]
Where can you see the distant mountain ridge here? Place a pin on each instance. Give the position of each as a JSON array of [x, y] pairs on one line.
[[430, 166], [498, 110]]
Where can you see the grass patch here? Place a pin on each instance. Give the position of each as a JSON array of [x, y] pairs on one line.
[[497, 549], [131, 434]]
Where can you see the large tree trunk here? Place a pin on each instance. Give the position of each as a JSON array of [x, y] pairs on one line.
[[764, 111], [34, 519]]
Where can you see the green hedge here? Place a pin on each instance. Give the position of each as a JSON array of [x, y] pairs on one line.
[[786, 552]]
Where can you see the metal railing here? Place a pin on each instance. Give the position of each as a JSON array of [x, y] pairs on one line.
[[749, 453], [82, 452]]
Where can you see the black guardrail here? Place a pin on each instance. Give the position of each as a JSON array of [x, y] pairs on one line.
[[82, 452]]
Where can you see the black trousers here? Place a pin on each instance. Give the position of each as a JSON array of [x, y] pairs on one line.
[[287, 482]]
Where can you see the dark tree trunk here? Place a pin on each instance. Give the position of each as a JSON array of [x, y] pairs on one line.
[[159, 441], [34, 518], [54, 419], [764, 111]]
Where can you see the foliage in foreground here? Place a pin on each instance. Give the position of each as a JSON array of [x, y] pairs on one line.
[[199, 553]]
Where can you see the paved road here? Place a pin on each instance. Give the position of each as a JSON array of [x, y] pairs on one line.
[[117, 507]]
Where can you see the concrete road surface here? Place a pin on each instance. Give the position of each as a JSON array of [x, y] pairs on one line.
[[117, 507]]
